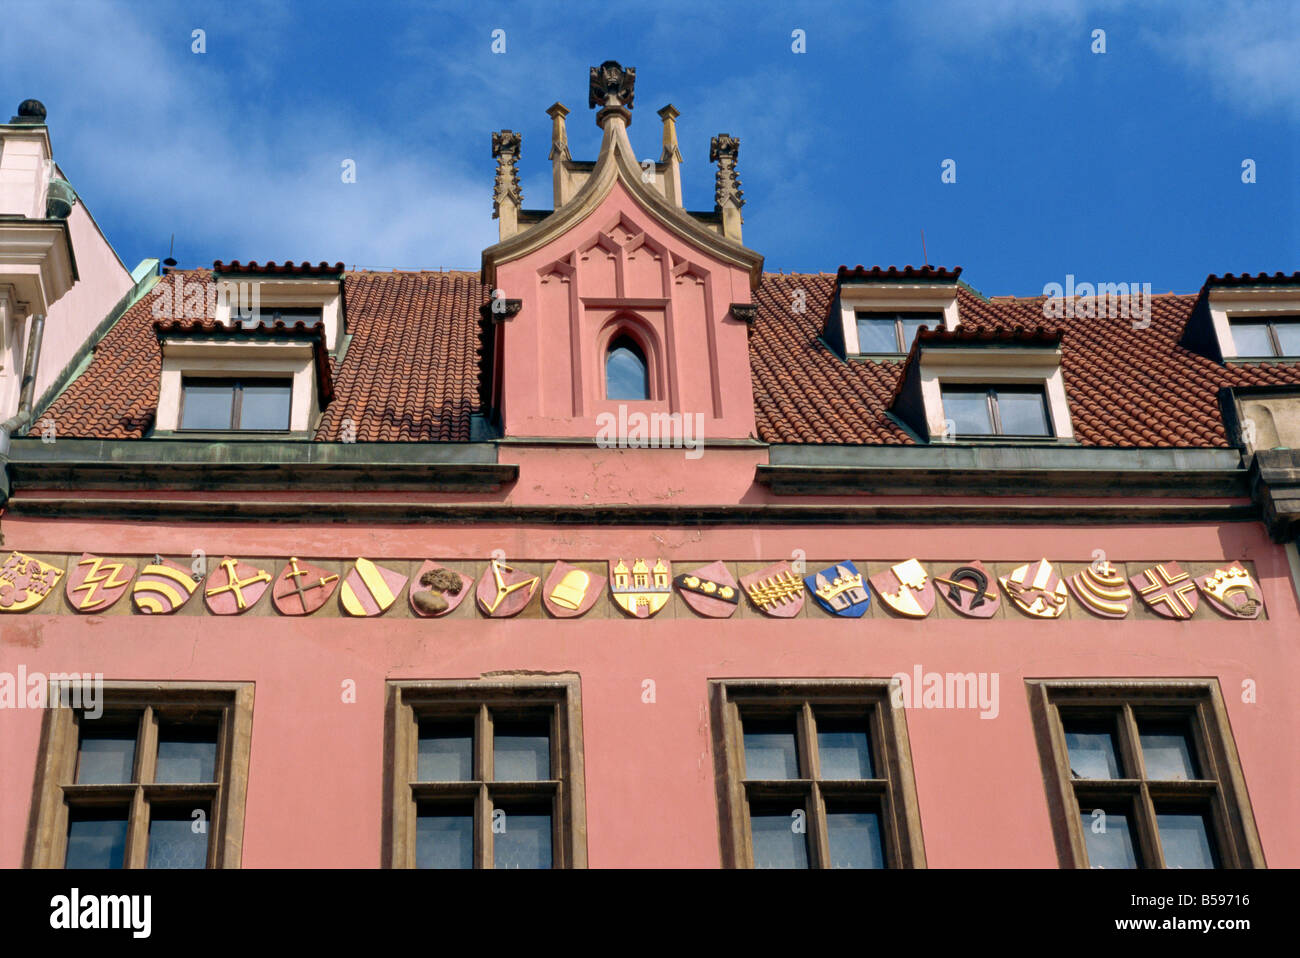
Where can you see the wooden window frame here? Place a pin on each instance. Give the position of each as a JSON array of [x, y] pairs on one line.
[[55, 791], [901, 348], [1270, 323], [1220, 792], [995, 416], [895, 794], [558, 696], [237, 384]]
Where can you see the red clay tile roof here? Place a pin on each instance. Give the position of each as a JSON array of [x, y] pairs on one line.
[[411, 371], [1126, 387], [409, 374], [304, 269], [894, 274]]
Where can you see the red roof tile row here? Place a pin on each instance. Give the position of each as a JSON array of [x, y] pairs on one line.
[[411, 370]]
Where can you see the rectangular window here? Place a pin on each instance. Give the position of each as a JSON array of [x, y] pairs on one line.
[[486, 774], [980, 410], [261, 405], [1143, 773], [1262, 338], [157, 781], [814, 774], [892, 333]]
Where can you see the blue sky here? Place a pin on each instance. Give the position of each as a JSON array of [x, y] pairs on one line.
[[1124, 166]]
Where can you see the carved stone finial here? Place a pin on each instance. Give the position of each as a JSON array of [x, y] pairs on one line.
[[611, 89], [724, 150], [669, 115], [505, 150], [559, 135]]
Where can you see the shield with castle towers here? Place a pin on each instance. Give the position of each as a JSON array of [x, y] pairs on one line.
[[641, 589], [840, 590]]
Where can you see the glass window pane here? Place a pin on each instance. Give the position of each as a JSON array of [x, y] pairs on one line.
[[625, 372], [855, 840], [1185, 840], [1167, 750], [521, 753], [264, 406], [106, 756], [521, 839], [770, 752], [177, 838], [779, 838], [1109, 840], [1023, 412], [969, 411], [444, 840], [844, 750], [96, 838], [186, 754], [1092, 750], [1288, 337], [1251, 339], [207, 405], [877, 334], [307, 315], [446, 752], [914, 322]]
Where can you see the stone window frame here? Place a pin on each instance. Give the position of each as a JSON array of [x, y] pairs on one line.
[[55, 792], [1222, 793], [895, 794], [410, 700]]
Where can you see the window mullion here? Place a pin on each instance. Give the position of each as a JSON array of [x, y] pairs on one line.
[[994, 416], [483, 828], [819, 849], [236, 404]]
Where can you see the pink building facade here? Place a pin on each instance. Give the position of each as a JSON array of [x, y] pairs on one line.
[[627, 553]]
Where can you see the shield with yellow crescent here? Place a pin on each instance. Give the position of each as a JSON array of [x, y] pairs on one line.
[[95, 583], [25, 581]]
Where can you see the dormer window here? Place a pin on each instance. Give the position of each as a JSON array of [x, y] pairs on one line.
[[236, 405], [876, 312], [627, 375], [979, 410], [289, 315], [1266, 338], [891, 333]]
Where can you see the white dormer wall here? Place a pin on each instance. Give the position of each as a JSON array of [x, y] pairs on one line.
[[894, 297], [324, 294], [997, 366], [189, 359], [1248, 302]]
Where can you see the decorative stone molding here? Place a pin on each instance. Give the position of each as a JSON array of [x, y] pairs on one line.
[[507, 196], [507, 310], [671, 156], [745, 312], [559, 135], [724, 150], [612, 88]]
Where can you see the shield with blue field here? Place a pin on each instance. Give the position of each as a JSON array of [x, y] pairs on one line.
[[840, 590]]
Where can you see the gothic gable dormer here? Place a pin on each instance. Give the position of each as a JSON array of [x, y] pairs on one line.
[[625, 296]]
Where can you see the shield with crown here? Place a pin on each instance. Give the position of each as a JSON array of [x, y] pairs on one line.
[[840, 590], [639, 588], [1232, 592]]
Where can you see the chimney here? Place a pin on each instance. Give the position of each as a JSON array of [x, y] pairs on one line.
[[26, 166], [507, 197], [728, 196], [672, 156]]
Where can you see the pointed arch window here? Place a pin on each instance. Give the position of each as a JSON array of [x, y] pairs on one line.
[[627, 374]]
